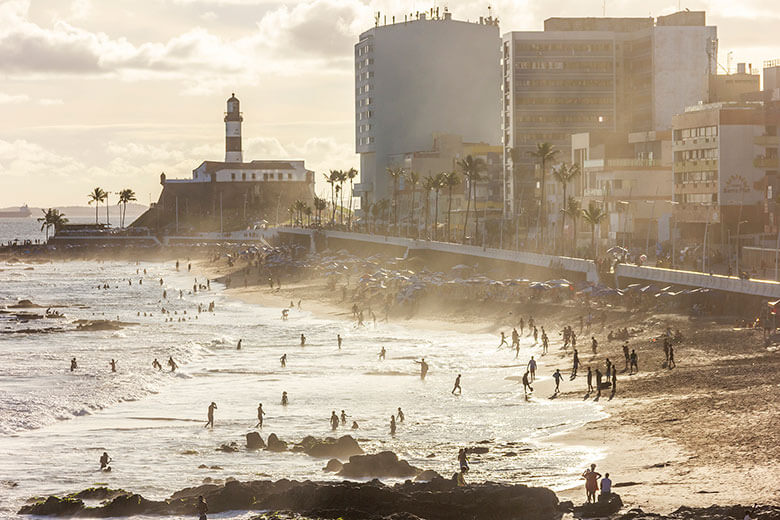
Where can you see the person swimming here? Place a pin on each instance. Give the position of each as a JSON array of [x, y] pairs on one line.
[[73, 364], [113, 365], [210, 422], [334, 420], [355, 425], [172, 364]]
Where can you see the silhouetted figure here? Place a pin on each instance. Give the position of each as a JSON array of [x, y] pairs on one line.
[[172, 364], [634, 362], [202, 508], [210, 422], [303, 340], [283, 360], [457, 386], [400, 415], [343, 418], [73, 364], [557, 376], [238, 346], [156, 364], [526, 384], [392, 425], [284, 399], [532, 369], [590, 380], [113, 365], [104, 461], [423, 368], [382, 354], [338, 340], [334, 420], [260, 414], [671, 363]]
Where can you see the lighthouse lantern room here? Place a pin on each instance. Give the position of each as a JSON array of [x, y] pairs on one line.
[[233, 119]]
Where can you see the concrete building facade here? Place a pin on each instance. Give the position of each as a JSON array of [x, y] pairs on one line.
[[596, 74], [419, 77]]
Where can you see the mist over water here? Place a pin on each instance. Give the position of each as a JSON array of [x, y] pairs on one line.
[[54, 424]]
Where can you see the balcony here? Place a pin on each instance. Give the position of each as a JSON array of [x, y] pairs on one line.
[[696, 165], [766, 163], [621, 163], [767, 140]]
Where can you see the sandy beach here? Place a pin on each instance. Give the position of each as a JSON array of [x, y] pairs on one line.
[[706, 432]]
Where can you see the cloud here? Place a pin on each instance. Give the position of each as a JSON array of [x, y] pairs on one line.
[[50, 101], [13, 98]]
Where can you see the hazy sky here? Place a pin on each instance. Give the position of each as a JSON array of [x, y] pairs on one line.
[[112, 92]]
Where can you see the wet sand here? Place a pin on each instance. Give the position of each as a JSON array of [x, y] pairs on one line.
[[706, 432]]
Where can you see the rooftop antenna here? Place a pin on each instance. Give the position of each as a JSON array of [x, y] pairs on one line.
[[376, 19]]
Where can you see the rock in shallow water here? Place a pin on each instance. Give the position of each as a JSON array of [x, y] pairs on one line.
[[382, 464], [340, 448], [254, 441]]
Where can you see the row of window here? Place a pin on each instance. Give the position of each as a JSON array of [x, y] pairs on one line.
[[364, 102], [701, 131], [562, 118], [692, 155], [579, 66], [362, 76], [366, 114], [563, 83], [364, 49], [540, 137], [365, 140], [568, 48], [558, 100], [364, 89], [364, 63], [266, 176], [697, 198], [364, 128], [694, 177]]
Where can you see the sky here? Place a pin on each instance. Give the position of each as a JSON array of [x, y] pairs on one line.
[[111, 93]]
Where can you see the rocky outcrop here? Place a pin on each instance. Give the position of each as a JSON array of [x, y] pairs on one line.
[[379, 465], [276, 444], [427, 476], [228, 447], [329, 448], [333, 466], [605, 506], [254, 441], [438, 500]]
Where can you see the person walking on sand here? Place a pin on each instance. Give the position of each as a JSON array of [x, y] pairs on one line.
[[503, 340], [457, 386], [590, 380], [338, 340], [530, 325], [172, 364], [626, 355], [334, 421], [283, 360], [113, 364], [392, 425], [594, 344], [526, 384], [671, 364], [532, 369], [73, 364], [634, 362], [423, 368], [303, 340], [401, 416], [598, 382], [575, 364], [202, 508], [614, 380], [260, 414], [536, 335], [557, 376], [608, 372], [591, 483], [210, 422], [382, 354]]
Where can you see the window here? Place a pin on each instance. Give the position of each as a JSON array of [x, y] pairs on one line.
[[271, 176], [243, 176], [265, 176], [253, 176], [232, 176], [289, 176]]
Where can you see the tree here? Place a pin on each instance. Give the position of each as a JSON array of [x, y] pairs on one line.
[[319, 205], [52, 218], [97, 196], [342, 179], [396, 174], [414, 180], [593, 216], [341, 209], [472, 169], [565, 174], [351, 174], [439, 182], [125, 196], [451, 180], [307, 211], [428, 184], [544, 153], [573, 210], [332, 179]]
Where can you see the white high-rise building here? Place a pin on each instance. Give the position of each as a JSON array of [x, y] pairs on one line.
[[414, 78]]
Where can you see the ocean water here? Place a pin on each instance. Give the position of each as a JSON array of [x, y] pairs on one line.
[[54, 424]]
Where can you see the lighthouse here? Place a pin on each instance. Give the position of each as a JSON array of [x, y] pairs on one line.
[[233, 121]]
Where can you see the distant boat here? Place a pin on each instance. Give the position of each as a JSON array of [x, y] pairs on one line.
[[22, 212]]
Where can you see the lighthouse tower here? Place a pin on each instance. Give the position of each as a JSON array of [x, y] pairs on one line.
[[233, 121]]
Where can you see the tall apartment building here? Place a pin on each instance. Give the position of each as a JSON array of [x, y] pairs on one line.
[[590, 74], [419, 77]]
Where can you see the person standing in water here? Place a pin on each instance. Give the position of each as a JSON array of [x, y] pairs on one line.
[[392, 425], [73, 364], [338, 340], [113, 364], [532, 369], [423, 368], [590, 380], [382, 354], [303, 340], [284, 399], [202, 508], [557, 376], [260, 414], [283, 360], [614, 380], [503, 340], [172, 364], [457, 386], [238, 346], [156, 364], [526, 384], [104, 461], [515, 338], [210, 422], [344, 418], [400, 415], [334, 420]]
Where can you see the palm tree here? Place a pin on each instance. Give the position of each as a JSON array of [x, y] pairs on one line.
[[52, 218], [367, 209], [451, 180], [414, 180], [125, 196], [472, 169], [439, 182], [565, 174], [593, 216], [428, 185], [573, 210], [351, 174], [342, 179], [544, 153], [307, 211], [396, 174], [97, 196], [320, 205], [332, 179]]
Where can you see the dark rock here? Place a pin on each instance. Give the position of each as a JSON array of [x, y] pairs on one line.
[[231, 447], [427, 476], [340, 448], [566, 506], [203, 466], [333, 465], [604, 506], [254, 441], [54, 506], [275, 444], [383, 464], [430, 456], [478, 450], [98, 493], [510, 454]]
